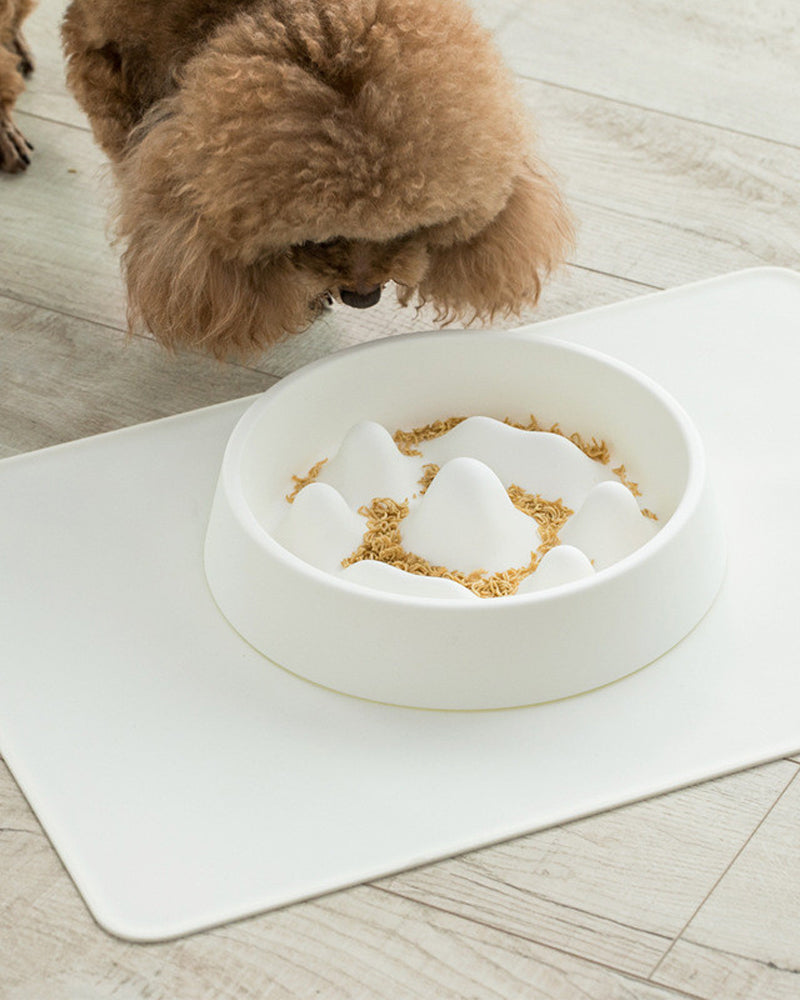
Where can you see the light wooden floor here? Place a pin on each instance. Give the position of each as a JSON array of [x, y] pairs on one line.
[[675, 127]]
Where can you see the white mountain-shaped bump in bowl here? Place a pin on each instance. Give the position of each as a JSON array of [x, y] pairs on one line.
[[320, 528], [466, 522], [368, 465], [560, 565], [393, 580], [538, 461], [608, 526]]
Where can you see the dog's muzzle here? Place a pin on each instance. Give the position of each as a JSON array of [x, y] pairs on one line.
[[360, 300]]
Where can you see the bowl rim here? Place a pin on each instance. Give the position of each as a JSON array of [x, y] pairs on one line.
[[691, 497]]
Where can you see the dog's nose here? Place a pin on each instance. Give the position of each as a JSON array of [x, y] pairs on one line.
[[360, 300]]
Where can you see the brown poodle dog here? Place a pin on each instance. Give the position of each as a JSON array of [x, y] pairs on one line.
[[272, 154], [16, 62]]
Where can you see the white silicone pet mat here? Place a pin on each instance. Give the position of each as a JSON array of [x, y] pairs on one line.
[[186, 781]]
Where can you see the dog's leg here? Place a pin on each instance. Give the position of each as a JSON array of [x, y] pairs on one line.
[[14, 147], [13, 37], [20, 47]]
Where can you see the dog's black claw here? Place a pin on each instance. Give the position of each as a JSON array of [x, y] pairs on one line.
[[29, 145], [13, 158]]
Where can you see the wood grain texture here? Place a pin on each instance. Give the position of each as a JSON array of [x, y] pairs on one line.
[[55, 250], [665, 201], [45, 94], [753, 914], [564, 887], [732, 64], [711, 973], [64, 378]]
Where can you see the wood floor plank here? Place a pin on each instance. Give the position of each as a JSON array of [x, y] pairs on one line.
[[46, 95], [710, 973], [64, 378], [732, 63], [664, 201], [55, 250], [615, 888], [745, 939]]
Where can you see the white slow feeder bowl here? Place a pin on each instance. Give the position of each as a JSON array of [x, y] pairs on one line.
[[450, 653]]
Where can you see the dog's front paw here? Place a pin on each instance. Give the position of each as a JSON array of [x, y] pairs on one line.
[[14, 147]]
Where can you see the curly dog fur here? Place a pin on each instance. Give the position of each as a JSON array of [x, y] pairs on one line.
[[16, 62], [270, 154]]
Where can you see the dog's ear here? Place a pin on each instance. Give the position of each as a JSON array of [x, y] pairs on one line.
[[500, 270], [185, 287], [183, 291]]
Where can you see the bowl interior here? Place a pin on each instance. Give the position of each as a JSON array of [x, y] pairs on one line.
[[410, 381]]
